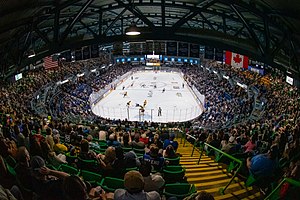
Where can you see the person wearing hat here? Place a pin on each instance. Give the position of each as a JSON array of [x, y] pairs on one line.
[[44, 185], [134, 188], [263, 167]]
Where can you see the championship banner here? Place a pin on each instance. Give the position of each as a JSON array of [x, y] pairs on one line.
[[159, 48], [86, 53], [118, 48], [78, 54], [209, 53], [236, 60], [149, 48], [94, 51], [183, 49], [194, 50], [135, 49], [219, 55], [172, 48]]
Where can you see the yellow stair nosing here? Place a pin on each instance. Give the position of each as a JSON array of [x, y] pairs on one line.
[[205, 178], [253, 196], [203, 173], [232, 185], [233, 194], [223, 181]]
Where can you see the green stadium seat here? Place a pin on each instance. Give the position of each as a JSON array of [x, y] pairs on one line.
[[91, 177], [179, 190], [89, 165], [51, 167], [71, 159], [173, 161], [110, 184], [11, 161], [126, 149], [174, 168], [68, 169], [139, 151], [131, 169], [174, 174]]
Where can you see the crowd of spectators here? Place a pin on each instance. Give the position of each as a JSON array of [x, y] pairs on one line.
[[268, 146]]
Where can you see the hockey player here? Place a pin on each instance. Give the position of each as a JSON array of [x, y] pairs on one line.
[[125, 94], [145, 102]]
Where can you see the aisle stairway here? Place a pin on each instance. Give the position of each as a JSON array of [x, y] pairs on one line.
[[210, 176]]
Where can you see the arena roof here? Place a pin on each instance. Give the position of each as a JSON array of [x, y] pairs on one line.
[[266, 30]]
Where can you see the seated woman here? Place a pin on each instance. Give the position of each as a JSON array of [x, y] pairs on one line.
[[169, 152], [126, 140]]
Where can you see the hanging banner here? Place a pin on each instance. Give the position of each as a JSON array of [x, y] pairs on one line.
[[209, 53], [78, 54], [172, 48], [94, 51], [159, 48], [183, 49], [219, 54], [194, 50], [86, 52], [135, 49]]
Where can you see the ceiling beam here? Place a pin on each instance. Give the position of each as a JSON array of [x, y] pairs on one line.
[[43, 36], [192, 14], [88, 28], [249, 28], [75, 19], [115, 20], [137, 13]]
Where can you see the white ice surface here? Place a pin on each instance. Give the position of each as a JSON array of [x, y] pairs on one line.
[[177, 103]]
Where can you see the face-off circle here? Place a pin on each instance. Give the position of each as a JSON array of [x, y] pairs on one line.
[[152, 84]]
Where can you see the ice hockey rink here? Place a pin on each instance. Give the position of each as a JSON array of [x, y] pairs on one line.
[[166, 90]]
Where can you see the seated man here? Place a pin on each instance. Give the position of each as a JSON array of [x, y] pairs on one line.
[[263, 166], [134, 188], [154, 158], [171, 141]]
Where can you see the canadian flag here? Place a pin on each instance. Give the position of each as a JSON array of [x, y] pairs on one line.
[[236, 60]]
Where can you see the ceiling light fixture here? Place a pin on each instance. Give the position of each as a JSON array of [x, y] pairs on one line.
[[31, 54], [132, 30]]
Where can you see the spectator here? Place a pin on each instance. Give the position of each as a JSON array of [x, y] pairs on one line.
[[41, 182], [85, 152], [171, 141], [152, 182], [49, 138], [154, 158], [58, 147], [75, 189], [136, 143], [230, 146], [134, 188], [169, 152]]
